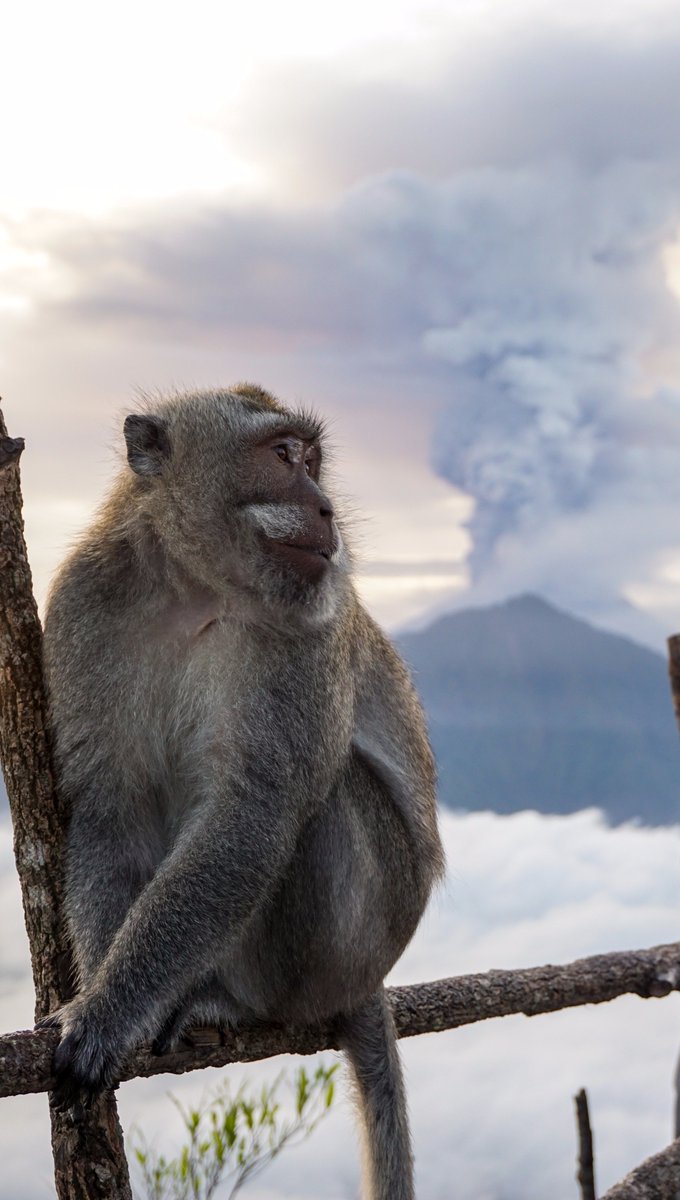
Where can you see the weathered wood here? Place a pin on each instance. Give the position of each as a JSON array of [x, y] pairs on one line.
[[25, 1057], [657, 1178], [674, 676], [88, 1158], [586, 1162], [24, 749], [674, 673]]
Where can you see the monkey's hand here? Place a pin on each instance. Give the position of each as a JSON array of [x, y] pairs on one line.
[[87, 1058]]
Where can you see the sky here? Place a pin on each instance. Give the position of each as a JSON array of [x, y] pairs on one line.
[[453, 228], [491, 1104]]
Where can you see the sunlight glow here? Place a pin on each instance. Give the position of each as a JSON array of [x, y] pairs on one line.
[[112, 106], [659, 595], [109, 106], [671, 266], [396, 599]]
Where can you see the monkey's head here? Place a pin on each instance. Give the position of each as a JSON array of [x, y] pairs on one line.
[[232, 484]]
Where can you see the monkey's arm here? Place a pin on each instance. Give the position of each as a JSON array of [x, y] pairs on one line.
[[110, 853], [108, 865], [224, 866]]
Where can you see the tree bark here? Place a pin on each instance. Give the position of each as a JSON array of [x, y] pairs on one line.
[[88, 1158], [655, 1179], [24, 747], [674, 673], [674, 676], [586, 1162], [25, 1057]]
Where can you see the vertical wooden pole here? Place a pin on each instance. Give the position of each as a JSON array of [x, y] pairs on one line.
[[674, 673], [586, 1162], [89, 1160]]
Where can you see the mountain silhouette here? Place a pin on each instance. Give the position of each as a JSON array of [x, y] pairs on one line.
[[530, 707]]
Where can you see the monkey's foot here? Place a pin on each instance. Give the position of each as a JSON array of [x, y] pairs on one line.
[[183, 1029], [207, 1007], [173, 1032]]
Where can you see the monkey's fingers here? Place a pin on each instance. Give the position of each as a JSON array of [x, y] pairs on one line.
[[51, 1021], [82, 1068], [69, 1096]]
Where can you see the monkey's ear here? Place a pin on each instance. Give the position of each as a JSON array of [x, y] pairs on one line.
[[148, 444]]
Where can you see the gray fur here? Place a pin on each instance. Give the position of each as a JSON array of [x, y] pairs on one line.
[[253, 831]]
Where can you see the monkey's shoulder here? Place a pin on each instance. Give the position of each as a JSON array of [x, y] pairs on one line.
[[96, 601], [378, 668], [93, 577]]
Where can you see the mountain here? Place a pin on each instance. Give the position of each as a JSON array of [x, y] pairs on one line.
[[529, 707]]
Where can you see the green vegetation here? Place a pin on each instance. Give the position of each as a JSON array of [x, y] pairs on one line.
[[231, 1137]]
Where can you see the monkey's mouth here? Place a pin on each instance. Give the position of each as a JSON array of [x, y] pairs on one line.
[[311, 560], [308, 549]]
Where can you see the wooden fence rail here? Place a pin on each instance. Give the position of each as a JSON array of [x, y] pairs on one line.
[[25, 1057]]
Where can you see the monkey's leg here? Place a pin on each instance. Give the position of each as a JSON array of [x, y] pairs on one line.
[[369, 1040]]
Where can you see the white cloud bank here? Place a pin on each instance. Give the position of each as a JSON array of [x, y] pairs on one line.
[[491, 1104]]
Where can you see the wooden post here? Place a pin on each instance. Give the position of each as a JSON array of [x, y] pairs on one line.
[[586, 1163], [674, 673], [89, 1161], [674, 676]]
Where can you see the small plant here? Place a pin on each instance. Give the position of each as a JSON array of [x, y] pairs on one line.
[[231, 1137]]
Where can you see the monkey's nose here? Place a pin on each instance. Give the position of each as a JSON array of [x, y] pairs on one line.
[[326, 508]]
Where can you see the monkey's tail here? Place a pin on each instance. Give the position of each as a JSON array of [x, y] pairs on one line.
[[369, 1039]]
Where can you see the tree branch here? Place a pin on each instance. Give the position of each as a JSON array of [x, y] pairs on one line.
[[89, 1161], [655, 1179], [25, 1057]]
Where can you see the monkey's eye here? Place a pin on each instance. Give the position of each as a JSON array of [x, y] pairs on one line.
[[312, 461], [291, 450]]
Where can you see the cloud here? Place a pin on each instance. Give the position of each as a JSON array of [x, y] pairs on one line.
[[525, 244], [528, 303], [491, 1104], [561, 294], [480, 249], [506, 94]]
